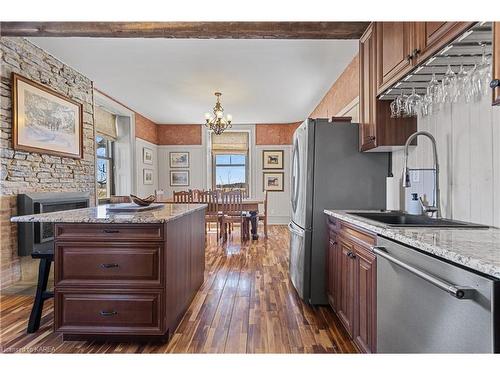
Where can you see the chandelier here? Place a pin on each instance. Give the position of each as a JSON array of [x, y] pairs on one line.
[[217, 122]]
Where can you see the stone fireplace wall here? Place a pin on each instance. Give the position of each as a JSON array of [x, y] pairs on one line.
[[32, 172]]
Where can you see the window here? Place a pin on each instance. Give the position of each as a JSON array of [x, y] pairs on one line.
[[230, 171], [104, 153]]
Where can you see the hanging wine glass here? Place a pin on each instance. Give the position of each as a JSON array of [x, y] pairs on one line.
[[470, 85], [433, 92], [412, 104], [460, 85], [448, 86]]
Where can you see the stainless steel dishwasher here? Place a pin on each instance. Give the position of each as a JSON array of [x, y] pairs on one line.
[[426, 305]]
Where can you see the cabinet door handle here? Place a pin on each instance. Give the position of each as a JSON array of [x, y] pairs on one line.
[[108, 313], [109, 265], [415, 53], [371, 138], [495, 83], [351, 255], [409, 57], [111, 231]]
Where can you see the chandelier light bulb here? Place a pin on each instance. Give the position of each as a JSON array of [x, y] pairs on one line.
[[207, 116], [229, 117], [219, 114]]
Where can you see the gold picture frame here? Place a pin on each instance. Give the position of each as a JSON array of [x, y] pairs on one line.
[[44, 121], [273, 181], [273, 159]]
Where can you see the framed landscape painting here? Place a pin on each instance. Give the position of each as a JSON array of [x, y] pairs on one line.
[[147, 177], [45, 121], [147, 155], [273, 181], [179, 178], [272, 159], [179, 160]]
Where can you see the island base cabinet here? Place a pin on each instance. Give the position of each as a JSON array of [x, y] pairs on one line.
[[113, 312], [107, 298]]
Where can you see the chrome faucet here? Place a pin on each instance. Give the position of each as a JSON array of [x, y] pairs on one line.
[[436, 208]]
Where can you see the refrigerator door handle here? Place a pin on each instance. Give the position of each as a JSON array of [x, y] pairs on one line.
[[295, 175], [295, 231]]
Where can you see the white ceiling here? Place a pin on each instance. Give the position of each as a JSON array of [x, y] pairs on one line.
[[173, 80]]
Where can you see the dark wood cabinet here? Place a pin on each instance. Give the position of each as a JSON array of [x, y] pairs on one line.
[[367, 89], [332, 265], [401, 46], [395, 43], [378, 131], [430, 37], [345, 308], [127, 281], [496, 63], [351, 281], [365, 300]]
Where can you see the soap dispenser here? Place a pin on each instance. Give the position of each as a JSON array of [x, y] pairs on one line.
[[415, 208]]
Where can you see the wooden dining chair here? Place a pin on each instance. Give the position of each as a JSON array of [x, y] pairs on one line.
[[119, 199], [212, 214], [232, 213], [183, 197], [159, 194], [196, 194], [263, 215]]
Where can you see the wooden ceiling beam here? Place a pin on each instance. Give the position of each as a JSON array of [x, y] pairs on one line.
[[196, 30]]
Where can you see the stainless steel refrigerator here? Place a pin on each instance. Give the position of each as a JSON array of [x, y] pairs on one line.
[[328, 172]]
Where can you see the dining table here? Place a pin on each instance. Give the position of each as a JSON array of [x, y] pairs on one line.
[[250, 205]]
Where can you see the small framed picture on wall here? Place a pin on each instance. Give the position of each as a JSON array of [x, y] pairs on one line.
[[273, 181], [272, 159], [147, 155], [179, 160], [179, 178], [147, 176]]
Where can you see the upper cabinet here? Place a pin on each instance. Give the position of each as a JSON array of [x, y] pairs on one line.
[[391, 55], [495, 84], [367, 89], [394, 45], [403, 45], [377, 130], [432, 36]]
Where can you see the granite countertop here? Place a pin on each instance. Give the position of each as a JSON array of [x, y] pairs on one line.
[[100, 215], [477, 249]]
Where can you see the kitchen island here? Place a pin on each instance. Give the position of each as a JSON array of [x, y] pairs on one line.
[[125, 276]]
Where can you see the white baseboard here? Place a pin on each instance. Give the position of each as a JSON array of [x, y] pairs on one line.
[[278, 220]]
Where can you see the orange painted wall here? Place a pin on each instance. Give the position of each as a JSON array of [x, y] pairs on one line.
[[275, 134], [146, 129], [173, 134], [343, 91]]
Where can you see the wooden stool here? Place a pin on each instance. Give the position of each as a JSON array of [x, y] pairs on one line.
[[41, 295]]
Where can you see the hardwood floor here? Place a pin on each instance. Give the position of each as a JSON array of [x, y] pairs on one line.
[[246, 305]]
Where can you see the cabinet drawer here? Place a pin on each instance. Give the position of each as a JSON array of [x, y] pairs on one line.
[[108, 264], [107, 313], [109, 232]]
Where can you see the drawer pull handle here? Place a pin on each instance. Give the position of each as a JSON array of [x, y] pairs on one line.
[[108, 313], [111, 231], [109, 265]]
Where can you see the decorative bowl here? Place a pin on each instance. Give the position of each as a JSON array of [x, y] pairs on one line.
[[143, 201]]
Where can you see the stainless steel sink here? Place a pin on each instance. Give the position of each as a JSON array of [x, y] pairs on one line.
[[401, 219]]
